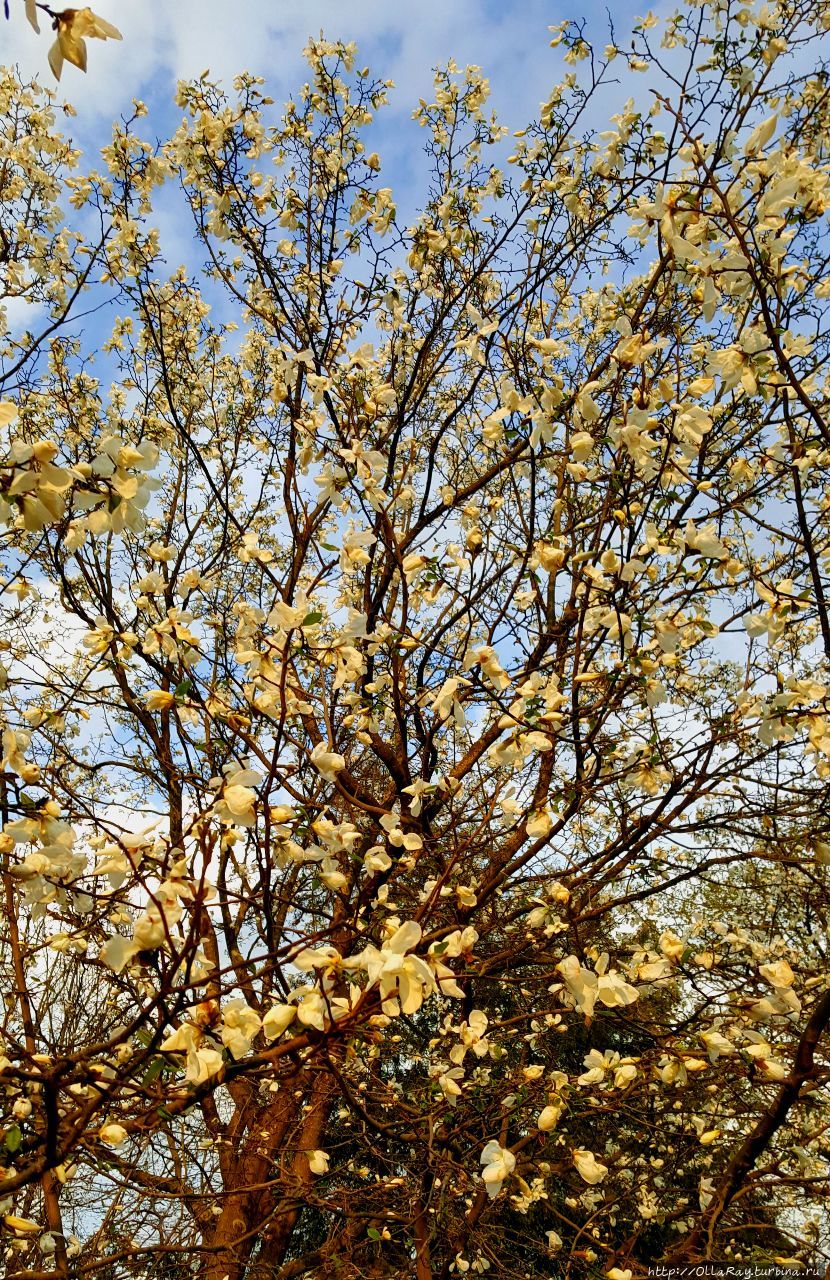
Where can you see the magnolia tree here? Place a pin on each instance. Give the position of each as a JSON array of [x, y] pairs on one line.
[[415, 674]]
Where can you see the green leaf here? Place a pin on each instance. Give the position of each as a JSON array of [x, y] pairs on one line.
[[183, 689], [311, 618], [14, 1139], [373, 1233], [153, 1071]]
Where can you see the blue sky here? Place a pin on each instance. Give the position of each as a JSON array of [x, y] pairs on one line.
[[165, 40], [403, 40]]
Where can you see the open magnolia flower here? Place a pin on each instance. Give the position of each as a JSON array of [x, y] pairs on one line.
[[151, 929], [402, 978], [327, 763], [73, 26], [498, 1164], [235, 806], [778, 974], [448, 1083], [203, 1057], [473, 1034], [586, 987], [240, 1023]]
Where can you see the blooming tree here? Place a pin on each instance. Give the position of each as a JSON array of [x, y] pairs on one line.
[[415, 674]]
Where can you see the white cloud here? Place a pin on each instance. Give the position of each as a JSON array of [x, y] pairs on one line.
[[167, 41]]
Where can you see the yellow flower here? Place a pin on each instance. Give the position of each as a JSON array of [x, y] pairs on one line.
[[540, 823], [278, 1019], [588, 1167], [498, 1163], [72, 26], [113, 1134], [548, 1117], [237, 805], [159, 700], [777, 975], [21, 1226], [327, 763], [318, 1162], [240, 1025]]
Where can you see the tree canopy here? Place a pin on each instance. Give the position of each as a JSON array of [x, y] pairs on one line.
[[415, 643]]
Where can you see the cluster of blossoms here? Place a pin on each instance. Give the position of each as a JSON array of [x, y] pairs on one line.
[[413, 672]]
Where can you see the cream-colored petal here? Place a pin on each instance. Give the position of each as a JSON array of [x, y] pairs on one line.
[[56, 59]]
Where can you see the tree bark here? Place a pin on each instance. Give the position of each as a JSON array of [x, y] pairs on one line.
[[263, 1196]]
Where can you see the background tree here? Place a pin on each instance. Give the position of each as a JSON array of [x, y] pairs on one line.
[[415, 741]]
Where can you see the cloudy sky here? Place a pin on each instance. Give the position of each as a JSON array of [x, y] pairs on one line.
[[165, 40]]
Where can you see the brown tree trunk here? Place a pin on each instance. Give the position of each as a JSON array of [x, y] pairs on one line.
[[263, 1195], [276, 1235]]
